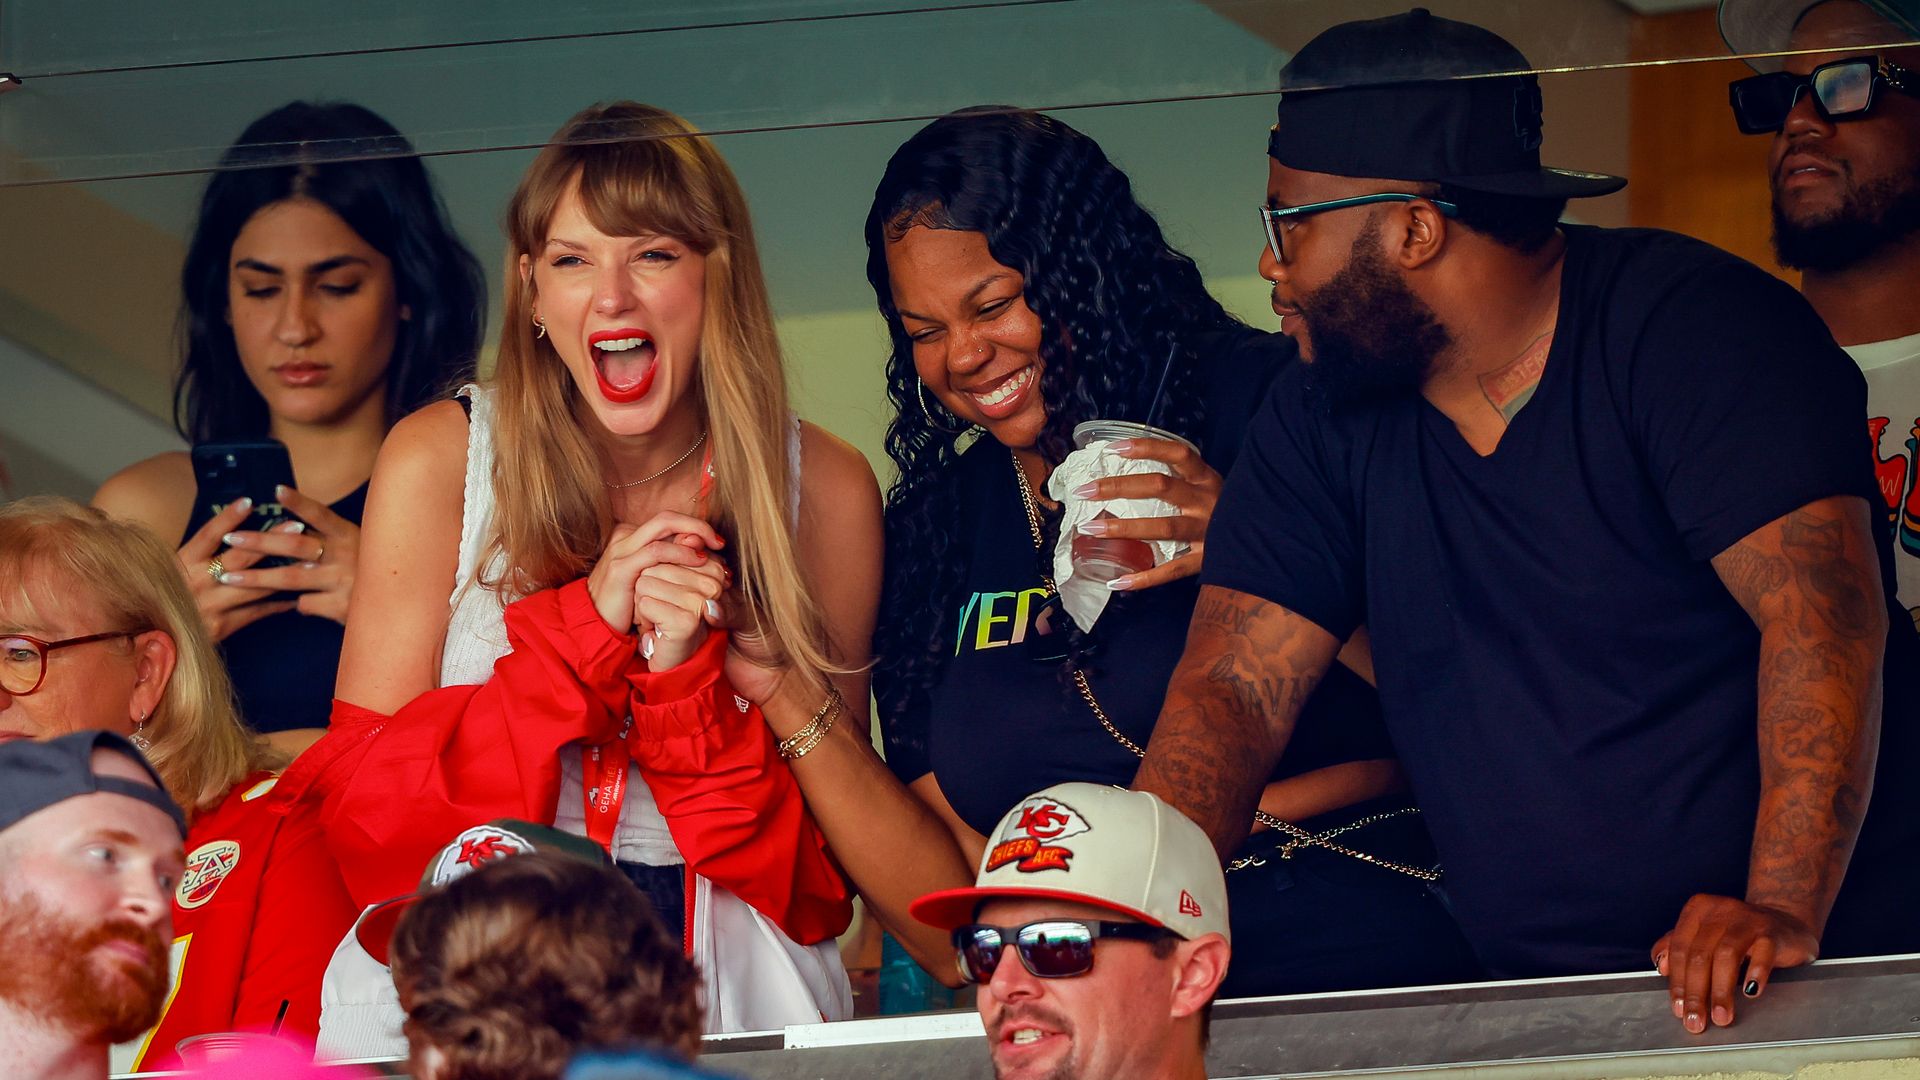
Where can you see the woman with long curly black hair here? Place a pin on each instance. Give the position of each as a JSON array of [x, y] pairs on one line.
[[1026, 290]]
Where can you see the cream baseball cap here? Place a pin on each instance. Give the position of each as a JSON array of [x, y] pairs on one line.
[[1093, 844]]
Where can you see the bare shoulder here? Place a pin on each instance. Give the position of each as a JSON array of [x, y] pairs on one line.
[[156, 492], [831, 470], [428, 446]]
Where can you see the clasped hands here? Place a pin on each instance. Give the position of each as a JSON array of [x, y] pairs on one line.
[[1722, 945]]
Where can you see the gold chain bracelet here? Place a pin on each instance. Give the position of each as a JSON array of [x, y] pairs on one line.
[[801, 743]]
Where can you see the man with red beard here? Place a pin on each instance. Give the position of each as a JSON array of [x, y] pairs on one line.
[[1845, 173], [90, 851], [1599, 499]]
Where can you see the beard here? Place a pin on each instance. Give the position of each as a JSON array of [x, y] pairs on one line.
[[1870, 217], [1372, 338], [52, 972]]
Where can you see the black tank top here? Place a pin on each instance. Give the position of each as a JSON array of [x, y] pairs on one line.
[[283, 666]]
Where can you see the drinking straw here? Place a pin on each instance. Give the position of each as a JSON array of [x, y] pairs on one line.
[[1160, 392], [279, 1018]]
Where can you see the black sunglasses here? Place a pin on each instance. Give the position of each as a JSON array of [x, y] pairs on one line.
[[1050, 948], [1841, 89]]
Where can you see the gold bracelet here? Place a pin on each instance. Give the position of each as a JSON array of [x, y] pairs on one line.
[[802, 742]]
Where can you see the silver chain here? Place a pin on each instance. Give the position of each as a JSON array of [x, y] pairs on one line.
[[1297, 837], [677, 462]]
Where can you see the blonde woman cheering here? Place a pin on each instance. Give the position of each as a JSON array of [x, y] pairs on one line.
[[550, 565]]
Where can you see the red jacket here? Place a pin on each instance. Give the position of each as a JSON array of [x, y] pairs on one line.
[[394, 789], [258, 912]]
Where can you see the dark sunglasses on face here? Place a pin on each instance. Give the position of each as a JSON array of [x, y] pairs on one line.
[[1050, 948], [1841, 89]]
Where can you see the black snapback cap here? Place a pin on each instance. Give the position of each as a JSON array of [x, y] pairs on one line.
[[1764, 26], [1421, 98], [35, 774]]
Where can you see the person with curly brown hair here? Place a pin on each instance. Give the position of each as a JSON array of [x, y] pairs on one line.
[[508, 971]]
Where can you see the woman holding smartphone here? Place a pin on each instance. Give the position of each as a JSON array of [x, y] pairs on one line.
[[322, 300]]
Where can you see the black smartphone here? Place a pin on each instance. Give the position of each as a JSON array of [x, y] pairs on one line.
[[224, 472]]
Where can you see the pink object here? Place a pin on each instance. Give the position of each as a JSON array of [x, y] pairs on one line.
[[245, 1055]]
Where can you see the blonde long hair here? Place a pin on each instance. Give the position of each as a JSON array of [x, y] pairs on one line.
[[643, 170], [51, 546]]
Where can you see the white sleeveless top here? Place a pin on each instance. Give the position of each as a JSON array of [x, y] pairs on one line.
[[477, 636], [753, 977]]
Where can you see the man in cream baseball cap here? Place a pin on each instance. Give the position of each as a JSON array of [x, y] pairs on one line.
[[1097, 932]]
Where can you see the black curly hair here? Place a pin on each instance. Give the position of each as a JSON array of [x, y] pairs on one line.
[[1099, 275]]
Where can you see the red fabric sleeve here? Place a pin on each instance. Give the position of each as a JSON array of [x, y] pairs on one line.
[[302, 913], [733, 806], [395, 789]]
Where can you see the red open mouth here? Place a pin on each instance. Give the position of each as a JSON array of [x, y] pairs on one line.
[[624, 363]]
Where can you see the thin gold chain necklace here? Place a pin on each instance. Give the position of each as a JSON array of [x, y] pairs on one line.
[[1297, 837], [677, 462]]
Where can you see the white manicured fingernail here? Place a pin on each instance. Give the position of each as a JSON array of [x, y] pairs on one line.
[[231, 539], [1120, 584], [646, 646], [232, 577], [294, 527], [280, 491], [713, 610]]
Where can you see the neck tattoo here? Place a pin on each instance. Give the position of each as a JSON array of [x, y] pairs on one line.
[[1509, 388]]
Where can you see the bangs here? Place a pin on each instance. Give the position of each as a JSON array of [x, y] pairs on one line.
[[647, 187]]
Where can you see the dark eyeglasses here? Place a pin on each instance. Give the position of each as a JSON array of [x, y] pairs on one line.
[[1841, 89], [1050, 949], [23, 659], [1278, 222]]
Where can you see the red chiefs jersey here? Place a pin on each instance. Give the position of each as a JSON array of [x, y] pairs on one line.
[[256, 917]]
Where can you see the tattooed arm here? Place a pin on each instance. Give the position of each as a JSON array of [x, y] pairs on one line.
[[1811, 583], [1248, 668]]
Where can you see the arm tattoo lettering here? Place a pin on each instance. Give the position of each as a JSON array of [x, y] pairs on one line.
[[1810, 581], [1248, 668]]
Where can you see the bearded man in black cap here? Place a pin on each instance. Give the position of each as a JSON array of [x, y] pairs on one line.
[[1598, 497], [89, 857]]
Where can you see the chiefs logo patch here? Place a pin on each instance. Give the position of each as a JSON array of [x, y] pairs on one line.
[[1031, 831], [207, 867], [474, 849]]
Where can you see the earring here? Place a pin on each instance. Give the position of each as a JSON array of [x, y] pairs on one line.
[[920, 391], [539, 328], [140, 742]]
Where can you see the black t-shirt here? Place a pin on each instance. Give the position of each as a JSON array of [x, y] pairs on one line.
[[1003, 720], [1571, 687]]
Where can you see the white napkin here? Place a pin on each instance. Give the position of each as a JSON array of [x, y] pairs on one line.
[[1084, 599]]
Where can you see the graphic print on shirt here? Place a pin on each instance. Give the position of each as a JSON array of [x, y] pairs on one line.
[[1031, 617], [1897, 475]]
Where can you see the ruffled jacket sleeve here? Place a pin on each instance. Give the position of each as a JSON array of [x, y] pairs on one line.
[[394, 789]]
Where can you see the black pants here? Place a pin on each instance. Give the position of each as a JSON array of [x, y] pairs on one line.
[[666, 888], [1320, 921]]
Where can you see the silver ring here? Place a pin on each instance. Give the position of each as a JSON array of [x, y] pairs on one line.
[[215, 569]]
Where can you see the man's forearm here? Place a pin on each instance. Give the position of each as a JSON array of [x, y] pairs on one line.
[[1822, 618], [1248, 668]]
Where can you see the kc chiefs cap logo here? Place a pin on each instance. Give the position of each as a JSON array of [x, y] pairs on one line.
[[206, 868], [474, 849], [1031, 834]]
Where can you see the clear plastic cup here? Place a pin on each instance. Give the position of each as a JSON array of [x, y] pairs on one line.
[[215, 1047], [1104, 558]]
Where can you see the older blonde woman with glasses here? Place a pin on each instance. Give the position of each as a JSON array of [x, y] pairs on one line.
[[97, 630]]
